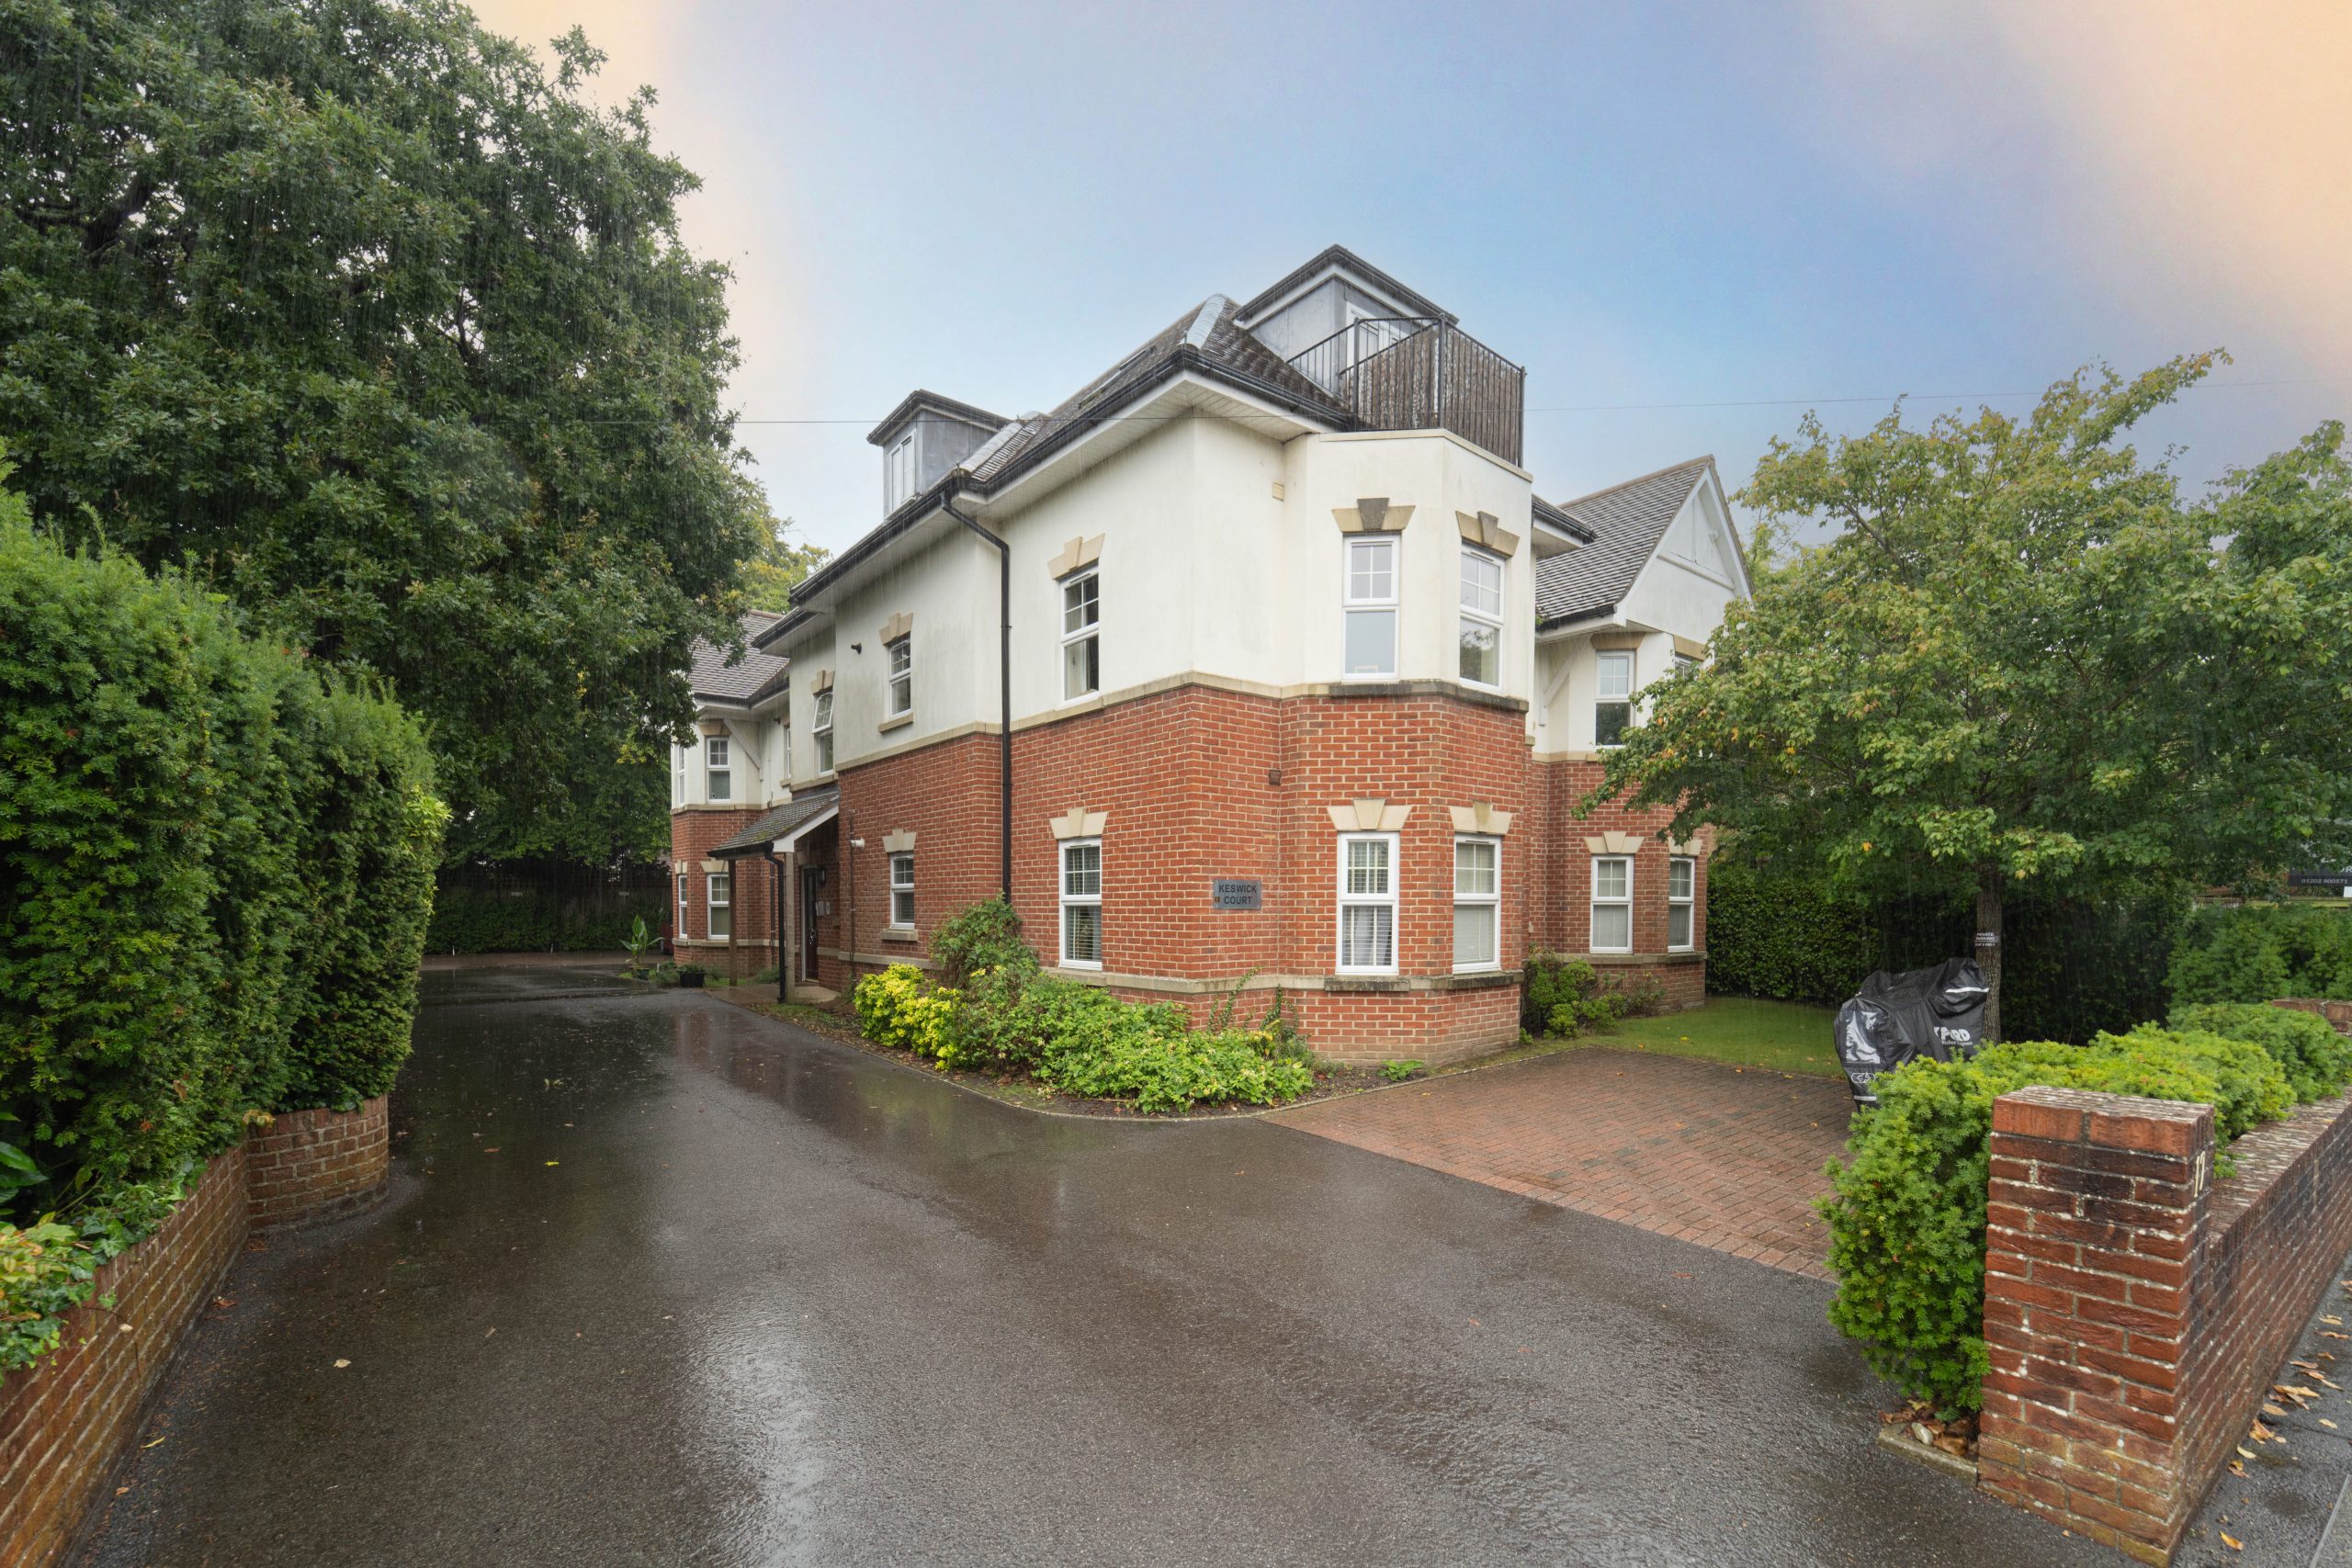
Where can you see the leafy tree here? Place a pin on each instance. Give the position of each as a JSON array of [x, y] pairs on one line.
[[778, 566], [2021, 656], [387, 333]]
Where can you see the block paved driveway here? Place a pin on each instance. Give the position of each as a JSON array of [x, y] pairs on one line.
[[1718, 1155]]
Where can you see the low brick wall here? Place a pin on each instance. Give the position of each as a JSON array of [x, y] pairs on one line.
[[2336, 1014], [2134, 1308], [310, 1164], [67, 1418], [64, 1419]]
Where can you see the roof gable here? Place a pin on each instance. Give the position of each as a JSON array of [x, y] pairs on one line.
[[1626, 521], [715, 674]]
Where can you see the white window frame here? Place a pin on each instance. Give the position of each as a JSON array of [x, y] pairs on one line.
[[1351, 606], [1492, 622], [1071, 900], [1684, 903], [898, 679], [821, 729], [1599, 903], [677, 774], [902, 888], [717, 769], [1602, 659], [899, 476], [1491, 901], [1088, 631], [718, 895], [1353, 900], [685, 904], [783, 728]]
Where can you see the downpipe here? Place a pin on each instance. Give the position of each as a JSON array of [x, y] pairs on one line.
[[1004, 688]]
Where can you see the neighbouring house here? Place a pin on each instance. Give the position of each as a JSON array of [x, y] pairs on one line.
[[1259, 656]]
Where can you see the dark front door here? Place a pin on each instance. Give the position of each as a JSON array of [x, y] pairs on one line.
[[811, 878]]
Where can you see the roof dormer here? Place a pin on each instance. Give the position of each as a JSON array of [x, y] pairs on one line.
[[1327, 293], [923, 439]]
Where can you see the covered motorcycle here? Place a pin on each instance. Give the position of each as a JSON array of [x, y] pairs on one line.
[[1937, 1012]]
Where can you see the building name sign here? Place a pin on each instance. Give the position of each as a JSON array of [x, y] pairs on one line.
[[1237, 892], [2318, 879]]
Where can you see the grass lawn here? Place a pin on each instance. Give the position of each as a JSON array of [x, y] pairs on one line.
[[1788, 1037]]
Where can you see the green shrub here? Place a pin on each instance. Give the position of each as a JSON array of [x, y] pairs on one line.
[[1564, 995], [1398, 1071], [898, 1007], [2316, 1060], [44, 1274], [2256, 952], [1906, 1213], [985, 935]]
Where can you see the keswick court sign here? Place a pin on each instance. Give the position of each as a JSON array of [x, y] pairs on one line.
[[1237, 892]]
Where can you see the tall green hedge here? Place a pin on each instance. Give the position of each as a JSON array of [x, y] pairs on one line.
[[2073, 968], [483, 919], [218, 869], [2255, 952]]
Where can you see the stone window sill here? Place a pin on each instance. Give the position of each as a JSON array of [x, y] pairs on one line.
[[901, 722]]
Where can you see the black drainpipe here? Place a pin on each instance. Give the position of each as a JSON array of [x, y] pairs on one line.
[[783, 965], [1004, 680]]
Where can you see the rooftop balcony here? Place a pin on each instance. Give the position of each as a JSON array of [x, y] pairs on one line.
[[1422, 373]]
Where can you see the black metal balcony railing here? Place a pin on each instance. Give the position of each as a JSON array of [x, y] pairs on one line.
[[1418, 373]]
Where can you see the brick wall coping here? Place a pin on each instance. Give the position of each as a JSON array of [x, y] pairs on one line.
[[2266, 1154]]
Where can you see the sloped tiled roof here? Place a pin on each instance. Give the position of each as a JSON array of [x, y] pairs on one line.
[[1627, 521], [800, 808], [746, 679], [1207, 328]]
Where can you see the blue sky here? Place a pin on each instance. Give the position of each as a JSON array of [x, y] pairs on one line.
[[1645, 205]]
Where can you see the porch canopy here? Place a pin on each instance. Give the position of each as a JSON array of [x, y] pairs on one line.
[[781, 829]]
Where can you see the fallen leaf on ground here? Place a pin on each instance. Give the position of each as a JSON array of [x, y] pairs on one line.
[[2260, 1433], [491, 1149], [342, 1361], [487, 1336], [2245, 1452], [155, 1444], [2237, 1467], [2232, 1542], [555, 1162], [2270, 1409]]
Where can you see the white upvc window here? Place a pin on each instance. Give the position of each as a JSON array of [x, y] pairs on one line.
[[1369, 600], [902, 676], [719, 776], [1477, 902], [1367, 904], [1081, 903], [677, 774], [899, 473], [1685, 662], [821, 726], [1612, 707], [784, 734], [1081, 636], [902, 891], [1612, 904], [721, 893], [684, 904], [1482, 618], [1681, 899]]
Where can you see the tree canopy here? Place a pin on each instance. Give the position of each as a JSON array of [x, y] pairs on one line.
[[2021, 655], [387, 333], [777, 566]]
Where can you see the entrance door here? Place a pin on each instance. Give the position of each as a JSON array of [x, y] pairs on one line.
[[811, 878]]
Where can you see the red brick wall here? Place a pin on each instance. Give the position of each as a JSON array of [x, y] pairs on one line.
[[693, 835], [2135, 1311], [1199, 784], [65, 1420], [313, 1164]]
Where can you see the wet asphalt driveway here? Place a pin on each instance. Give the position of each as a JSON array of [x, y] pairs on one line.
[[661, 1282]]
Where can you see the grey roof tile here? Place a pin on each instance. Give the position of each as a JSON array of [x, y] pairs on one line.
[[1626, 521], [713, 672], [800, 808]]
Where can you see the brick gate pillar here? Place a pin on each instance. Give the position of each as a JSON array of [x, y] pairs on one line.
[[2096, 1205]]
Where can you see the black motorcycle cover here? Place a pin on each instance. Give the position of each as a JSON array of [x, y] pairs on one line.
[[1936, 1012]]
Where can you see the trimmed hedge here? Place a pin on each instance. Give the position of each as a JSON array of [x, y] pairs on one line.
[[476, 919], [218, 868], [2072, 969], [2254, 953], [1907, 1210]]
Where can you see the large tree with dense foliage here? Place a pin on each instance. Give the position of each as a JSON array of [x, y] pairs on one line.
[[355, 312], [2021, 655]]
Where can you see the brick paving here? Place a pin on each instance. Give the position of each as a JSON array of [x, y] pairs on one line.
[[1719, 1157]]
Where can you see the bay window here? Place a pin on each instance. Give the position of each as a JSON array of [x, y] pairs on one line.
[[1370, 603], [1367, 903], [722, 912], [680, 934], [1612, 904], [1482, 618], [1477, 903]]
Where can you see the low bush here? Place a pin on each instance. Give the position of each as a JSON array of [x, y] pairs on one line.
[[2316, 1060], [1398, 1071], [2254, 953], [1563, 995], [1004, 1014], [1906, 1215]]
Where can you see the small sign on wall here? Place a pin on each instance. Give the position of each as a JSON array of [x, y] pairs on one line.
[[1237, 892]]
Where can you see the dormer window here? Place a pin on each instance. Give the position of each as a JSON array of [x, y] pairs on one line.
[[898, 473]]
